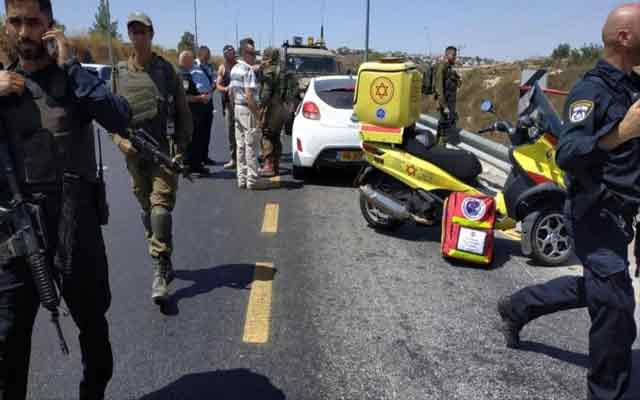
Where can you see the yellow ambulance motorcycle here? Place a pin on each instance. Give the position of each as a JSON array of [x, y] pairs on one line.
[[409, 176]]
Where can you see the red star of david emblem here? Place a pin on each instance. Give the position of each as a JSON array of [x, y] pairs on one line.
[[382, 90]]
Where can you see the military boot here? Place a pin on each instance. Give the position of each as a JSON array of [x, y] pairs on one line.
[[160, 285], [268, 171]]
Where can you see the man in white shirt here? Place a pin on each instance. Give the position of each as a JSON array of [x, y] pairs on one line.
[[244, 90]]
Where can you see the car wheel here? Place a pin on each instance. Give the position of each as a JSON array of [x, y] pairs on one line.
[[299, 173], [551, 244], [376, 218]]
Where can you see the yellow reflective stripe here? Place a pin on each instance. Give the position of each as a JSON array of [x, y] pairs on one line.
[[468, 257], [471, 224]]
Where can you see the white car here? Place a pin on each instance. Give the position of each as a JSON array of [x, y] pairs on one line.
[[102, 71], [324, 134]]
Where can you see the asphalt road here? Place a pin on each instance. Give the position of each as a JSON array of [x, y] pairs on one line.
[[352, 313]]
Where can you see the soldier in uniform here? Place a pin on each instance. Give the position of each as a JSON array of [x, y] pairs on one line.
[[155, 186], [47, 104], [446, 84], [271, 114]]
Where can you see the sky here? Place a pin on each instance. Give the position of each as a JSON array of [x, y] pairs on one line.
[[500, 29]]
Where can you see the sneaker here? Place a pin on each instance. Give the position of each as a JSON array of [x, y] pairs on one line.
[[242, 185], [510, 328], [230, 165]]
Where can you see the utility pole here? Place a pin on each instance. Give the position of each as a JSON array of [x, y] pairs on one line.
[[109, 38], [237, 39], [195, 19], [273, 22], [366, 43]]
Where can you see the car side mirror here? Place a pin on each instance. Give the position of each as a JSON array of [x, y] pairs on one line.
[[487, 106]]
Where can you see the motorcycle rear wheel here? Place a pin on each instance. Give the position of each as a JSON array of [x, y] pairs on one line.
[[376, 218]]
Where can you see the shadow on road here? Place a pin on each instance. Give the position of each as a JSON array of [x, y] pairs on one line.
[[235, 276], [236, 384], [332, 177], [582, 360], [504, 249]]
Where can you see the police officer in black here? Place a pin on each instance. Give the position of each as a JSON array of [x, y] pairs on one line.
[[47, 104], [201, 108], [600, 151]]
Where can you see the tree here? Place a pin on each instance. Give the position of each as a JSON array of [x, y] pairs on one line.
[[562, 51], [102, 24], [187, 42]]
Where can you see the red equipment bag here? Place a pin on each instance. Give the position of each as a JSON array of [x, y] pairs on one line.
[[467, 228]]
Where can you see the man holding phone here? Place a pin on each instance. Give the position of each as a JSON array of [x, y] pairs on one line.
[[47, 105]]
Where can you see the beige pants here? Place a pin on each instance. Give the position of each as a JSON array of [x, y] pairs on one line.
[[247, 140]]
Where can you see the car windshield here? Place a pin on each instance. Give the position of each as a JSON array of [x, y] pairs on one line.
[[338, 93], [310, 64]]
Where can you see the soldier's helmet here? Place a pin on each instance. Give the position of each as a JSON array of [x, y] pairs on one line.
[[271, 54]]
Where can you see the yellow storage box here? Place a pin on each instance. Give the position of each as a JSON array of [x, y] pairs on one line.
[[388, 93]]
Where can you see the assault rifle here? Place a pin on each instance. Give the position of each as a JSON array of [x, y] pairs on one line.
[[23, 221], [149, 149]]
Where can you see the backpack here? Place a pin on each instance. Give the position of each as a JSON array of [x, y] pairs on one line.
[[427, 80]]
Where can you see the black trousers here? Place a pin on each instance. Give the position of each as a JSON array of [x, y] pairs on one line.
[[207, 124], [198, 148], [87, 295], [601, 242]]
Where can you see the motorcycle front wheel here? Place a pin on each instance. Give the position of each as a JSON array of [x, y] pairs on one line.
[[550, 240], [376, 218]]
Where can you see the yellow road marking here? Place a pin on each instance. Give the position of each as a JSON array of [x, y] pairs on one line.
[[275, 181], [256, 326], [270, 222], [512, 234]]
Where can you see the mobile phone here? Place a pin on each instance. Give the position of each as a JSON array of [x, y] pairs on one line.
[[52, 48]]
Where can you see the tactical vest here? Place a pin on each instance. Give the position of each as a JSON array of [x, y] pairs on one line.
[[162, 125], [47, 133], [271, 75], [451, 81]]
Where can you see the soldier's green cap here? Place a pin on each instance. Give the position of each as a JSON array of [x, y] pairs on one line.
[[270, 53], [140, 17]]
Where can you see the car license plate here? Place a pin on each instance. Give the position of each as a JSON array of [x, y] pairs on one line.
[[349, 156], [472, 241]]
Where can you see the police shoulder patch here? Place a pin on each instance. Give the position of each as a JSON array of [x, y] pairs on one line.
[[580, 110]]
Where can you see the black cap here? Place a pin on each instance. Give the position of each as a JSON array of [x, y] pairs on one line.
[[227, 47]]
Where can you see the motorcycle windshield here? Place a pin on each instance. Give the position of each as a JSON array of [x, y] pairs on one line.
[[538, 107]]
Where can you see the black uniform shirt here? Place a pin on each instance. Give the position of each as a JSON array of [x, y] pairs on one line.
[[595, 106]]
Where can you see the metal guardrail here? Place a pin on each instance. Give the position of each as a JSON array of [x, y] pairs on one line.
[[486, 150]]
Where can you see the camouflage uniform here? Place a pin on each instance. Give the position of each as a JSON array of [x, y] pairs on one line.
[[155, 186], [446, 84], [275, 89]]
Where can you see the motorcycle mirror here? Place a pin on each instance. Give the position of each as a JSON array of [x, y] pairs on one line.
[[487, 106]]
